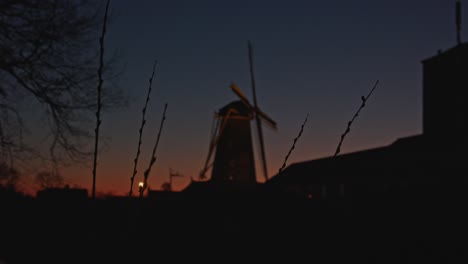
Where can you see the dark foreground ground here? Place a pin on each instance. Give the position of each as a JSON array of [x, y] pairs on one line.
[[424, 226]]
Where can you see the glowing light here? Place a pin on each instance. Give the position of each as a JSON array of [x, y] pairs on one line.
[[140, 184]]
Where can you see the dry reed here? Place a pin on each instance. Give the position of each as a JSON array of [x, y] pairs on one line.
[[153, 155], [99, 91], [294, 144], [348, 128], [143, 122]]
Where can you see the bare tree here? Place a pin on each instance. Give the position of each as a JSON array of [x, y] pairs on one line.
[[49, 179], [48, 61], [9, 176]]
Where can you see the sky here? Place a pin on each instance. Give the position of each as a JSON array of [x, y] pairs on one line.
[[310, 57]]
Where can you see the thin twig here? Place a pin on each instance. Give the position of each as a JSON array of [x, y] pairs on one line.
[[294, 144], [153, 155], [348, 128], [99, 104], [143, 122]]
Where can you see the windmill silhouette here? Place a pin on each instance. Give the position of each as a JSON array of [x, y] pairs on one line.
[[231, 139]]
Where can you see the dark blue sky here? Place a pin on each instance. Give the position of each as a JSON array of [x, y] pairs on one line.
[[315, 57]]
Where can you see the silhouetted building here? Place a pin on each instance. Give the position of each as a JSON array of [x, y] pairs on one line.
[[445, 96], [410, 164], [163, 195], [63, 194]]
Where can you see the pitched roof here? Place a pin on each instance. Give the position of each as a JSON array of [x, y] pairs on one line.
[[405, 153]]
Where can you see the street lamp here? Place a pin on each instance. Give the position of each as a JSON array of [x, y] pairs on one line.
[[140, 188]]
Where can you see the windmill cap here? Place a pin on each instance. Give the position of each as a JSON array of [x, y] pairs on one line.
[[240, 109]]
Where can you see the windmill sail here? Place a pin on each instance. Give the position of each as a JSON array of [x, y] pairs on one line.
[[257, 120]]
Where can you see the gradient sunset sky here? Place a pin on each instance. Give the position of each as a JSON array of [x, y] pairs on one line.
[[316, 57]]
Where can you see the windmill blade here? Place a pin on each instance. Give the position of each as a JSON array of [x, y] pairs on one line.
[[213, 141], [257, 119], [216, 134], [262, 148], [241, 95], [270, 122]]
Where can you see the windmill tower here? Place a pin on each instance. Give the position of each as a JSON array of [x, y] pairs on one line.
[[232, 141], [234, 157]]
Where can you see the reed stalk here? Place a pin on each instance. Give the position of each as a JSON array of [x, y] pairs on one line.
[[348, 128], [153, 155], [294, 144], [143, 122], [99, 91]]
